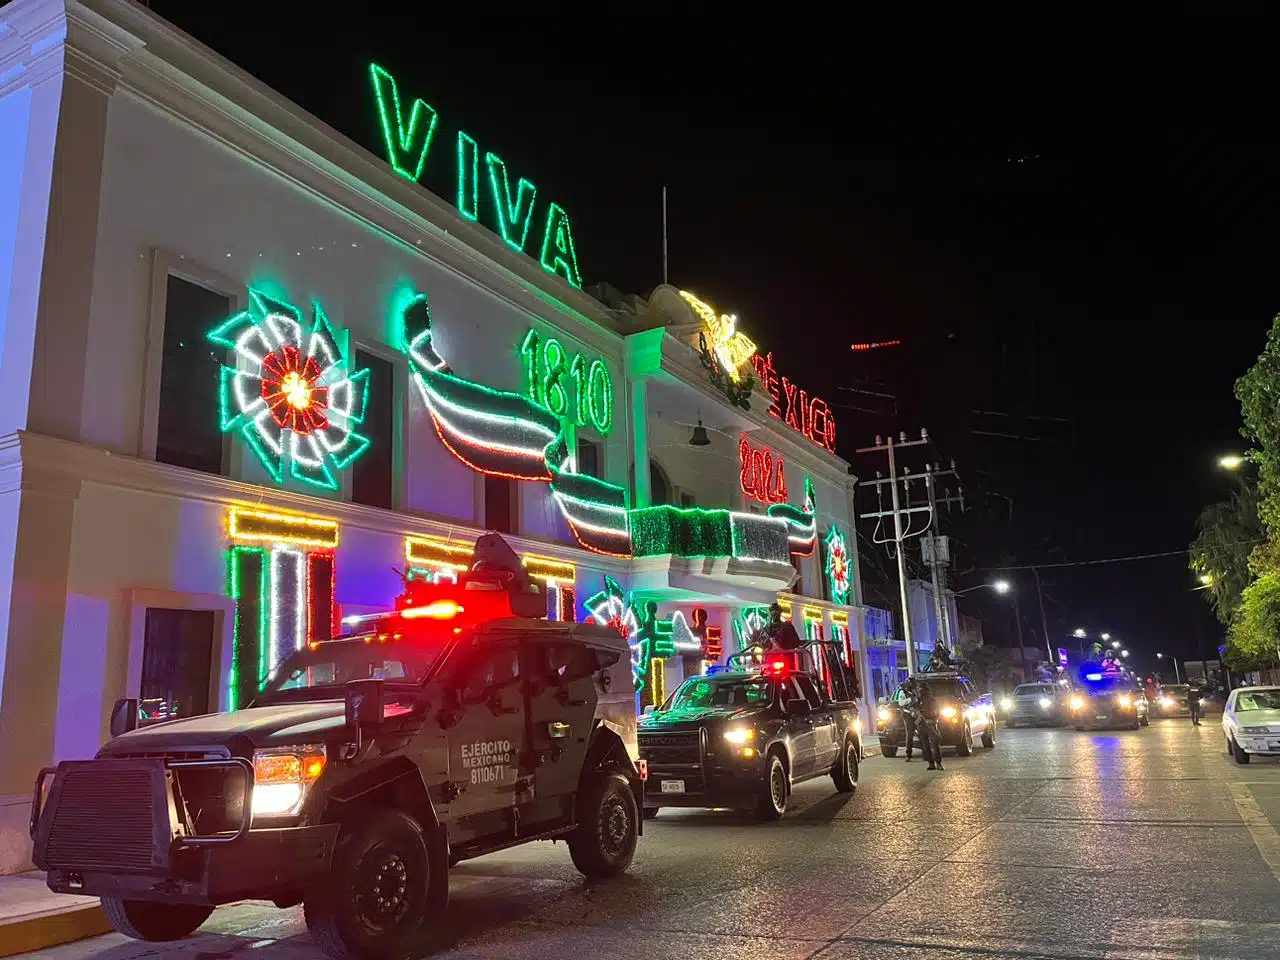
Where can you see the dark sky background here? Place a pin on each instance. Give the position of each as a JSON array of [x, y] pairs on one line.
[[1062, 219]]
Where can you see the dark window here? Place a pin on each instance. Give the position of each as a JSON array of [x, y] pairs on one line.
[[659, 488], [373, 471], [499, 504], [798, 586], [688, 500], [809, 689], [188, 432], [177, 663], [589, 458], [489, 672], [561, 662]]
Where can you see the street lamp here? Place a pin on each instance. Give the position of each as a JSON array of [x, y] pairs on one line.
[[1106, 637], [1124, 653], [1232, 461], [1115, 644], [1206, 579], [1177, 677], [1079, 632], [999, 586]]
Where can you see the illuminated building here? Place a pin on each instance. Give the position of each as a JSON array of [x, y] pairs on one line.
[[249, 367]]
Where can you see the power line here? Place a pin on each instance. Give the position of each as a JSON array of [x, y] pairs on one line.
[[1090, 563]]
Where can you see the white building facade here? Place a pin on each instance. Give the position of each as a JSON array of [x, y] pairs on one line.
[[249, 369]]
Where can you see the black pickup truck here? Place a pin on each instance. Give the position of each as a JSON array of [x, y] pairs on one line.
[[743, 737], [963, 714]]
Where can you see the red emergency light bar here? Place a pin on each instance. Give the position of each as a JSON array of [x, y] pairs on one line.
[[877, 346], [776, 667], [460, 603]]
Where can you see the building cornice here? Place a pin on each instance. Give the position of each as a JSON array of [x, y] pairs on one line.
[[191, 83], [24, 455]]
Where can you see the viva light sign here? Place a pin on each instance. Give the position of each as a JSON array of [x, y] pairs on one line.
[[408, 129]]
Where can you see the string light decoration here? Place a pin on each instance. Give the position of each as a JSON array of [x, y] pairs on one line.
[[436, 559], [291, 395], [610, 607], [837, 566], [840, 633], [801, 522], [810, 416], [748, 625], [657, 686], [710, 637], [648, 635], [724, 352], [281, 575], [408, 142], [763, 475], [509, 435], [700, 532], [548, 370]]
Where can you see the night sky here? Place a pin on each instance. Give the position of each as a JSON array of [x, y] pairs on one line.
[[1059, 220]]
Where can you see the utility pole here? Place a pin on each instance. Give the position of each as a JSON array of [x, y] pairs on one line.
[[939, 551], [1044, 623], [899, 535]]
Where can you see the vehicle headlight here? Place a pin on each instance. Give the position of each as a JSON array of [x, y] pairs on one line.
[[882, 715], [281, 778], [1124, 701], [949, 712], [740, 735], [1166, 702], [1006, 704], [1077, 703], [1045, 703]]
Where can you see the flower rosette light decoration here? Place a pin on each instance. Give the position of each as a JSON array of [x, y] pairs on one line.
[[611, 608], [506, 434], [838, 569], [291, 393]]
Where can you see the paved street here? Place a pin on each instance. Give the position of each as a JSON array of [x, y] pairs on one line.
[[1057, 844]]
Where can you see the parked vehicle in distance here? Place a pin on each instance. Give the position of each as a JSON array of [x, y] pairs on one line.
[[1173, 700], [1037, 704], [963, 714], [1251, 722]]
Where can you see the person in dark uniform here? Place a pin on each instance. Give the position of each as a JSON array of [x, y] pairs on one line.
[[910, 707], [1194, 696], [927, 726]]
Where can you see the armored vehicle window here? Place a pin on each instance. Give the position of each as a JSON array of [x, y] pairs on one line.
[[336, 662], [489, 670], [563, 661]]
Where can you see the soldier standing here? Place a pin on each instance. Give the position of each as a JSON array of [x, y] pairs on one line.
[[910, 707], [927, 726]]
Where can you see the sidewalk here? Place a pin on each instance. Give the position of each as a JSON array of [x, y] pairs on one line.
[[32, 917]]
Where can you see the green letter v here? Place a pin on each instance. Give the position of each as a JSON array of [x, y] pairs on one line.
[[407, 144]]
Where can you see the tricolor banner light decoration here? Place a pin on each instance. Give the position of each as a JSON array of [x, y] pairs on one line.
[[763, 474], [507, 434], [802, 522], [281, 579], [837, 566], [291, 394]]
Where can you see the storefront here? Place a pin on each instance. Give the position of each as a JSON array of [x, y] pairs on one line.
[[253, 374]]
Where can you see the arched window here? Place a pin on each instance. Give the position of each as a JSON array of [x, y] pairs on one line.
[[659, 485]]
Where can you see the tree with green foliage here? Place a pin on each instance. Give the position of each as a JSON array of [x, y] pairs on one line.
[[1253, 640], [1227, 534], [1259, 394]]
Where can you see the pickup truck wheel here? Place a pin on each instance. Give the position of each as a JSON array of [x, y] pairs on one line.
[[887, 751], [157, 922], [608, 826], [989, 735], [772, 802], [845, 773], [374, 902], [965, 746]]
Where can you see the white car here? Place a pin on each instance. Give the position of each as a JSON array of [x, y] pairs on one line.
[[1251, 722]]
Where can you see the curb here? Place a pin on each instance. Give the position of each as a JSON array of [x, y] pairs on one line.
[[42, 930]]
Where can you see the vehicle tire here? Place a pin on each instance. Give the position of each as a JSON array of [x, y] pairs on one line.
[[374, 901], [845, 772], [608, 826], [889, 752], [157, 922], [989, 736], [1135, 725], [772, 802], [651, 812], [1144, 721], [1238, 754], [965, 746]]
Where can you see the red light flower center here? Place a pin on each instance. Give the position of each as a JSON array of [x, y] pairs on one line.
[[289, 387]]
